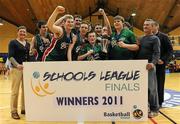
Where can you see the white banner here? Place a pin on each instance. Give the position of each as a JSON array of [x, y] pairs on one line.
[[86, 91]]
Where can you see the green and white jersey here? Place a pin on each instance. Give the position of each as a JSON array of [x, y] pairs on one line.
[[118, 53], [97, 51], [80, 43]]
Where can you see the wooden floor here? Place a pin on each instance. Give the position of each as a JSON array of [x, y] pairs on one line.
[[169, 115]]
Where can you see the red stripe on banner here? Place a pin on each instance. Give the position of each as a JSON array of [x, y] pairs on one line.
[[49, 49], [153, 121]]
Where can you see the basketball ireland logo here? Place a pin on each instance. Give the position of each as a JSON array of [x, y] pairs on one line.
[[38, 87], [137, 113]]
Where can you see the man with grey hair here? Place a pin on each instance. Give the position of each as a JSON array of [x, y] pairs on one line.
[[166, 51], [150, 49]]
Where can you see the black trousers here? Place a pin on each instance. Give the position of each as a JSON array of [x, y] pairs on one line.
[[160, 73]]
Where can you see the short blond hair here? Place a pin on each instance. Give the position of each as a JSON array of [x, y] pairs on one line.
[[21, 27], [67, 16]]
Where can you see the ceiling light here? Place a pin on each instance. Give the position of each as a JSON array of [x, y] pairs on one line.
[[133, 14]]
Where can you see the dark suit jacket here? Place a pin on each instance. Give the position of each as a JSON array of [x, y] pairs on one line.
[[166, 49]]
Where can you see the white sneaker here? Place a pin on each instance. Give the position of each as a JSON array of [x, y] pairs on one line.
[[152, 114]]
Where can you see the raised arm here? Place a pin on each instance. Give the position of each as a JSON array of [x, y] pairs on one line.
[[106, 20], [60, 21], [51, 21]]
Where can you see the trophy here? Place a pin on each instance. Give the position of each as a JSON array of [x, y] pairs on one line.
[[104, 43]]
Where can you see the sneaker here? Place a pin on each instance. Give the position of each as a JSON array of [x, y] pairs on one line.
[[15, 115], [152, 114], [23, 112]]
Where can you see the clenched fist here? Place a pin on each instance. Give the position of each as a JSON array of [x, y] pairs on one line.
[[60, 9]]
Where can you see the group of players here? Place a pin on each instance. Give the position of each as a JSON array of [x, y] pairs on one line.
[[73, 40]]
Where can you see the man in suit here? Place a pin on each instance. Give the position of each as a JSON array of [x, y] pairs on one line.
[[166, 52]]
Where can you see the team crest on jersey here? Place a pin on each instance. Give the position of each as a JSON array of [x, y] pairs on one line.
[[41, 48], [64, 45], [78, 49], [113, 43]]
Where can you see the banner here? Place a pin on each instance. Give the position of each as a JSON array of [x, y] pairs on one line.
[[86, 91]]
